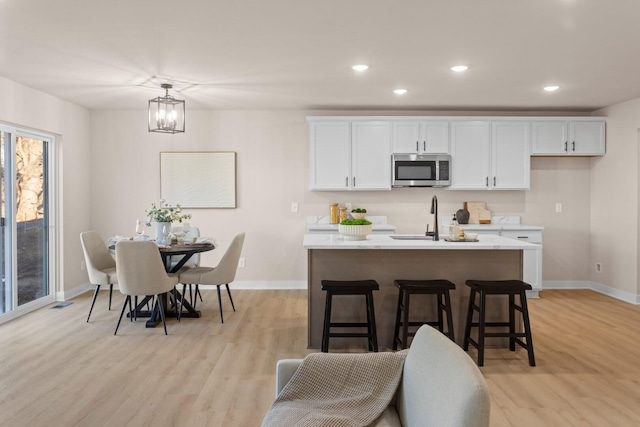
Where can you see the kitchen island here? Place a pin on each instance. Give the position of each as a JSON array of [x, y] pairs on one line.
[[385, 259]]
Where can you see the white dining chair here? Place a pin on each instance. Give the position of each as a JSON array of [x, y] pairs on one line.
[[101, 266], [223, 274], [142, 272]]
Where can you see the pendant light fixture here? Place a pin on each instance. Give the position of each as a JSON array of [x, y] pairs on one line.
[[166, 114]]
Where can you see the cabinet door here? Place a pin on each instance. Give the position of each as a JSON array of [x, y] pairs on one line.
[[434, 137], [371, 154], [470, 147], [406, 137], [510, 155], [329, 155], [586, 138], [550, 138]]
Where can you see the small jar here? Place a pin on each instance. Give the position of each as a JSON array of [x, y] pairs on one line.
[[343, 213], [334, 213]]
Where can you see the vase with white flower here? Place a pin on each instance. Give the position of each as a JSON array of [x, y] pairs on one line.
[[163, 216]]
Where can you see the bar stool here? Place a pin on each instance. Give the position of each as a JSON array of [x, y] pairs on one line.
[[439, 288], [498, 287], [354, 287]]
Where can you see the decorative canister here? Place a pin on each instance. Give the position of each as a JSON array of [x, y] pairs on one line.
[[343, 213], [334, 213]]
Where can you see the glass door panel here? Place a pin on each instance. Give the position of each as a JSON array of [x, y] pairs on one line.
[[31, 219], [24, 223]]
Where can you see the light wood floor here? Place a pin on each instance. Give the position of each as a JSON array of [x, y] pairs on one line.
[[57, 370]]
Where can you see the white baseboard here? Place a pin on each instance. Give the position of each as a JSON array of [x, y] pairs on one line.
[[594, 286]]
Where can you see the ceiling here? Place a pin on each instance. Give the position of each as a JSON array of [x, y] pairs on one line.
[[297, 54]]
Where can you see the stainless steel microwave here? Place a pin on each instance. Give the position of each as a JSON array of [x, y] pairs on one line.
[[421, 170]]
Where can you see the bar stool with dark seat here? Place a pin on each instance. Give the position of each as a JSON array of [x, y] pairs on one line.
[[354, 287], [439, 288], [498, 287]]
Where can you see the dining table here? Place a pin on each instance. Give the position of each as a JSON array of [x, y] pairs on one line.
[[185, 250]]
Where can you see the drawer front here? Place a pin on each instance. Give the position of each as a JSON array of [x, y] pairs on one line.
[[525, 236]]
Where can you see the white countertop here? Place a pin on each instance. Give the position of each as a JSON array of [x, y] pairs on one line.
[[322, 223], [375, 241]]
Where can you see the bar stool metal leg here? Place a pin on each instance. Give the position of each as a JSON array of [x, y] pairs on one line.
[[527, 327], [327, 323], [447, 299], [481, 325], [372, 322], [396, 332], [467, 328]]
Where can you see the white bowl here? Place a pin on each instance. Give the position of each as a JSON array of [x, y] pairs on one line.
[[355, 232], [359, 215]]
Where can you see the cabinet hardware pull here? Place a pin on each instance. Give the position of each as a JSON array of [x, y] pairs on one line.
[[494, 181], [424, 145], [573, 146], [523, 237], [354, 181], [346, 181], [486, 181], [565, 147], [417, 142]]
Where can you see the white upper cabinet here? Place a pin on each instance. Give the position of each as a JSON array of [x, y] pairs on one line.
[[490, 155], [371, 156], [470, 145], [349, 156], [330, 155], [421, 137], [579, 138], [510, 155]]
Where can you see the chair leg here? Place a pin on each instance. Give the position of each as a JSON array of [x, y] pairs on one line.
[[93, 301], [132, 313], [405, 319], [220, 304], [124, 306], [467, 328], [230, 299], [396, 330], [327, 323], [447, 301], [373, 322], [481, 326], [161, 310], [527, 327], [198, 294]]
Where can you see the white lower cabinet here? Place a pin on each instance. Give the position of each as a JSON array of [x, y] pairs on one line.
[[349, 156], [531, 259]]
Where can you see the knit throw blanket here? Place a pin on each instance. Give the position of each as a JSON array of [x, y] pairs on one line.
[[338, 390]]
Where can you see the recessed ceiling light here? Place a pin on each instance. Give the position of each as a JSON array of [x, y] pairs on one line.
[[459, 68], [551, 88], [400, 91], [360, 67]]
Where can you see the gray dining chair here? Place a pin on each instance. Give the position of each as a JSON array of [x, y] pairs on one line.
[[142, 272], [223, 274], [101, 266]]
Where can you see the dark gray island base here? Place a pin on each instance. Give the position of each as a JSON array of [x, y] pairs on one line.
[[387, 265]]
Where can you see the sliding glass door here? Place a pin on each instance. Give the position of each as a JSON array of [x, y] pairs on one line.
[[25, 223]]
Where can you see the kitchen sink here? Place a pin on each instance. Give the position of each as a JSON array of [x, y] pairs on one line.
[[416, 237]]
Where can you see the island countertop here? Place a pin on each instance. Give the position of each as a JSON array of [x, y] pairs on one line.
[[374, 241]]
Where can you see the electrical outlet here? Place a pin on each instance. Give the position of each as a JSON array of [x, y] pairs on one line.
[[558, 207], [83, 266], [294, 207], [241, 263], [598, 267]]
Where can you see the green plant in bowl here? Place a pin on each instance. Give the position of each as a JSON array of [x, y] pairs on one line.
[[355, 221], [358, 210]]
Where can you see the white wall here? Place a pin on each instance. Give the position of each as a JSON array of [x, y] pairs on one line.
[[273, 173], [28, 108], [615, 185]]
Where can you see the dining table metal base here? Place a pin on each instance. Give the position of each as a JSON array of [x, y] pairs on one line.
[[141, 310]]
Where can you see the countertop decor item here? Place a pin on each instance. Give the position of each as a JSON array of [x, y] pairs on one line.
[[355, 229], [462, 216], [359, 213]]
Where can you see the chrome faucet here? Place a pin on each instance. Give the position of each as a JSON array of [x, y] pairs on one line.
[[434, 210]]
